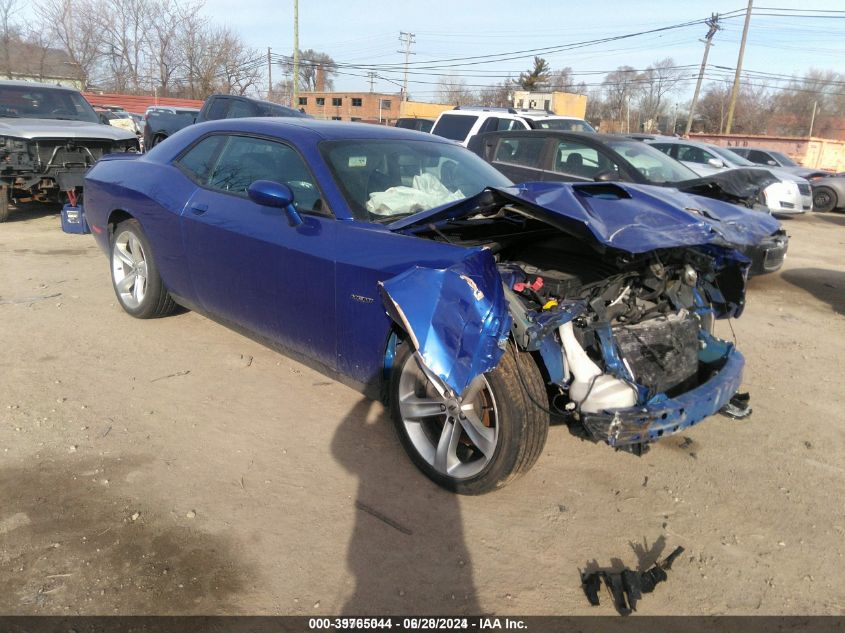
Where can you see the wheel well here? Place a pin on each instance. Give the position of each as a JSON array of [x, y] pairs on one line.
[[116, 217]]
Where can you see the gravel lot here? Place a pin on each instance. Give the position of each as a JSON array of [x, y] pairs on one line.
[[174, 466]]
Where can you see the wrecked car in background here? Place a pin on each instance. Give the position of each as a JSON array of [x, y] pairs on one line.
[[406, 266], [49, 137], [554, 156]]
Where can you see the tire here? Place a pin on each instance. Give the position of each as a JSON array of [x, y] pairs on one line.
[[824, 199], [134, 274], [158, 138], [4, 203], [503, 404]]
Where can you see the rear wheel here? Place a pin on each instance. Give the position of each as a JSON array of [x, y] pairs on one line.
[[135, 277], [824, 199], [480, 442]]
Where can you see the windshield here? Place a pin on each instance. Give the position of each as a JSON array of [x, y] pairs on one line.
[[383, 180], [733, 157], [569, 125], [656, 166], [784, 159], [45, 103]]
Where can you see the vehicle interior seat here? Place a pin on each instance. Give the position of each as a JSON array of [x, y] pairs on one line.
[[574, 164]]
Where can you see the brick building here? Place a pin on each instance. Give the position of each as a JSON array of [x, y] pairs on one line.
[[351, 106]]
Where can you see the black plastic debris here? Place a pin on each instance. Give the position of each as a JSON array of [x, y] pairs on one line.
[[627, 587], [738, 407]]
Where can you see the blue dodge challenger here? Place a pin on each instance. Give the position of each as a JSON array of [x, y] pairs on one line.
[[405, 265]]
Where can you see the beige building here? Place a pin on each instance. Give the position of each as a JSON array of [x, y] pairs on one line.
[[563, 103]]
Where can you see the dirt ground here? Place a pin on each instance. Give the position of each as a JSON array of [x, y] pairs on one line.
[[175, 467]]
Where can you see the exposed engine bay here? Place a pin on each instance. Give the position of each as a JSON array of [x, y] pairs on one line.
[[613, 331]]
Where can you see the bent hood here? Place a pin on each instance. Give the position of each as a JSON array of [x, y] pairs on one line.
[[741, 185], [631, 218], [56, 128]]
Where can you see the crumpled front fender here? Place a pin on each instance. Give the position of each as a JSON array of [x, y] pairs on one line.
[[457, 318]]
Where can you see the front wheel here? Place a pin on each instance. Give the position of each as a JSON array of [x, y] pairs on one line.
[[478, 443], [135, 277], [824, 199]]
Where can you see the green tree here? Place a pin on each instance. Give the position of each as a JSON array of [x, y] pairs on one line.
[[537, 78]]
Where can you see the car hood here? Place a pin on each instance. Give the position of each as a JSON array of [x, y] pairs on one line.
[[54, 128], [631, 218]]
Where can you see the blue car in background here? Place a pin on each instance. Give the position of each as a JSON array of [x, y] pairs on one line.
[[405, 265]]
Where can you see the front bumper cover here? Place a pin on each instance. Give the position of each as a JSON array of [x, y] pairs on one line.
[[665, 416]]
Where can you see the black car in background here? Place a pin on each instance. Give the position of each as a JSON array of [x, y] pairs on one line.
[[548, 155]]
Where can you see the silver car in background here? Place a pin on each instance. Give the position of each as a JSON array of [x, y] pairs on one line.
[[790, 196]]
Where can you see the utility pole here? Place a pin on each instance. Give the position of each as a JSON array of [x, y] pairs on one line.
[[713, 24], [269, 75], [407, 39], [295, 97], [372, 78], [813, 118], [735, 91]]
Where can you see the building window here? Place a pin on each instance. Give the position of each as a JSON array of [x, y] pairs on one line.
[[303, 101], [386, 103], [336, 101], [356, 118], [321, 101], [356, 103], [336, 118]]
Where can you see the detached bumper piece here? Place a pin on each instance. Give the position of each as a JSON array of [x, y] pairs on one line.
[[627, 587], [664, 416]]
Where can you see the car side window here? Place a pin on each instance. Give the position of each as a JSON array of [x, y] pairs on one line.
[[510, 124], [218, 109], [756, 156], [520, 151], [245, 159], [240, 109], [576, 159], [198, 162], [693, 154]]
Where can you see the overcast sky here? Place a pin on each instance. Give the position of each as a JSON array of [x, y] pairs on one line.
[[368, 33]]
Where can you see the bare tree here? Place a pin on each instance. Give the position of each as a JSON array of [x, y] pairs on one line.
[[75, 26], [168, 19], [311, 63], [242, 66], [125, 25], [658, 81], [621, 87], [9, 34], [498, 95], [454, 90], [818, 91]]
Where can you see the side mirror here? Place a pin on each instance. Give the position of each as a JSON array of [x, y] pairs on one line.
[[716, 162], [275, 194], [771, 162]]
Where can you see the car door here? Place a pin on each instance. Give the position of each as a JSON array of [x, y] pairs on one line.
[[248, 266]]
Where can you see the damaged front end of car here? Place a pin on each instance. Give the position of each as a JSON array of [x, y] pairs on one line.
[[612, 290]]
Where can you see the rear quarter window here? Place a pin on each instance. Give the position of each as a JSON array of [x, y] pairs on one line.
[[520, 151], [454, 126]]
